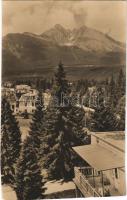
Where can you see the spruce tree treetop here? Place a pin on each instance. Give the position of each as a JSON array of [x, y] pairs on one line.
[[62, 130], [120, 77], [112, 83], [121, 84], [112, 86], [61, 86], [60, 75]]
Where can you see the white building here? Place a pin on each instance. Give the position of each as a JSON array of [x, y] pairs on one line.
[[7, 91], [22, 88], [27, 103], [23, 98], [7, 84], [104, 174]]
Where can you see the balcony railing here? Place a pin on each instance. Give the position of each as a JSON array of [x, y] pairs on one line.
[[83, 184]]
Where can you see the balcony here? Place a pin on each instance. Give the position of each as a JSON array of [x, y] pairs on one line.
[[91, 184]]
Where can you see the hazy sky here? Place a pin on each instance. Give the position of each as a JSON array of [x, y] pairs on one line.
[[38, 16]]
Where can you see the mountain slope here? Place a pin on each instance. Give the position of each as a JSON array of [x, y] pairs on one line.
[[84, 37], [29, 53]]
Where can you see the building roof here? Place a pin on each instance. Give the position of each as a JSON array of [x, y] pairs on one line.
[[22, 86], [99, 157], [115, 138]]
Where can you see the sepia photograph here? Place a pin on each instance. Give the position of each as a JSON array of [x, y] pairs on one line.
[[63, 97]]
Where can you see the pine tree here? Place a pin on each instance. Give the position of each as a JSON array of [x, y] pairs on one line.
[[56, 147], [104, 119], [121, 84], [37, 123], [61, 86], [75, 123], [10, 143], [59, 133], [38, 84], [113, 98], [29, 184]]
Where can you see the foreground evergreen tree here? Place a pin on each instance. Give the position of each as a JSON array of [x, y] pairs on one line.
[[10, 143], [37, 122], [104, 119], [61, 87], [121, 84], [29, 184], [75, 123], [56, 147], [62, 131]]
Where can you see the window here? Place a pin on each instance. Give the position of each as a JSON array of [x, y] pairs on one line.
[[17, 104], [99, 172], [116, 173], [13, 107]]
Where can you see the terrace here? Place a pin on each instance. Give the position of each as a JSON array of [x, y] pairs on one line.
[[99, 177], [93, 184]]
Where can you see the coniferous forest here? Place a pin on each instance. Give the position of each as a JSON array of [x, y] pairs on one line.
[[75, 108]]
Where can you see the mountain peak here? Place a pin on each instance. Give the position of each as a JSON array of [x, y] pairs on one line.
[[83, 28], [59, 26], [30, 54], [83, 37]]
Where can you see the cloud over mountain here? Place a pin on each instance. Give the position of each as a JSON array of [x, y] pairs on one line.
[[38, 16]]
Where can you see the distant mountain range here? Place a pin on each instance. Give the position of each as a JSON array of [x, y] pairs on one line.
[[80, 50]]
